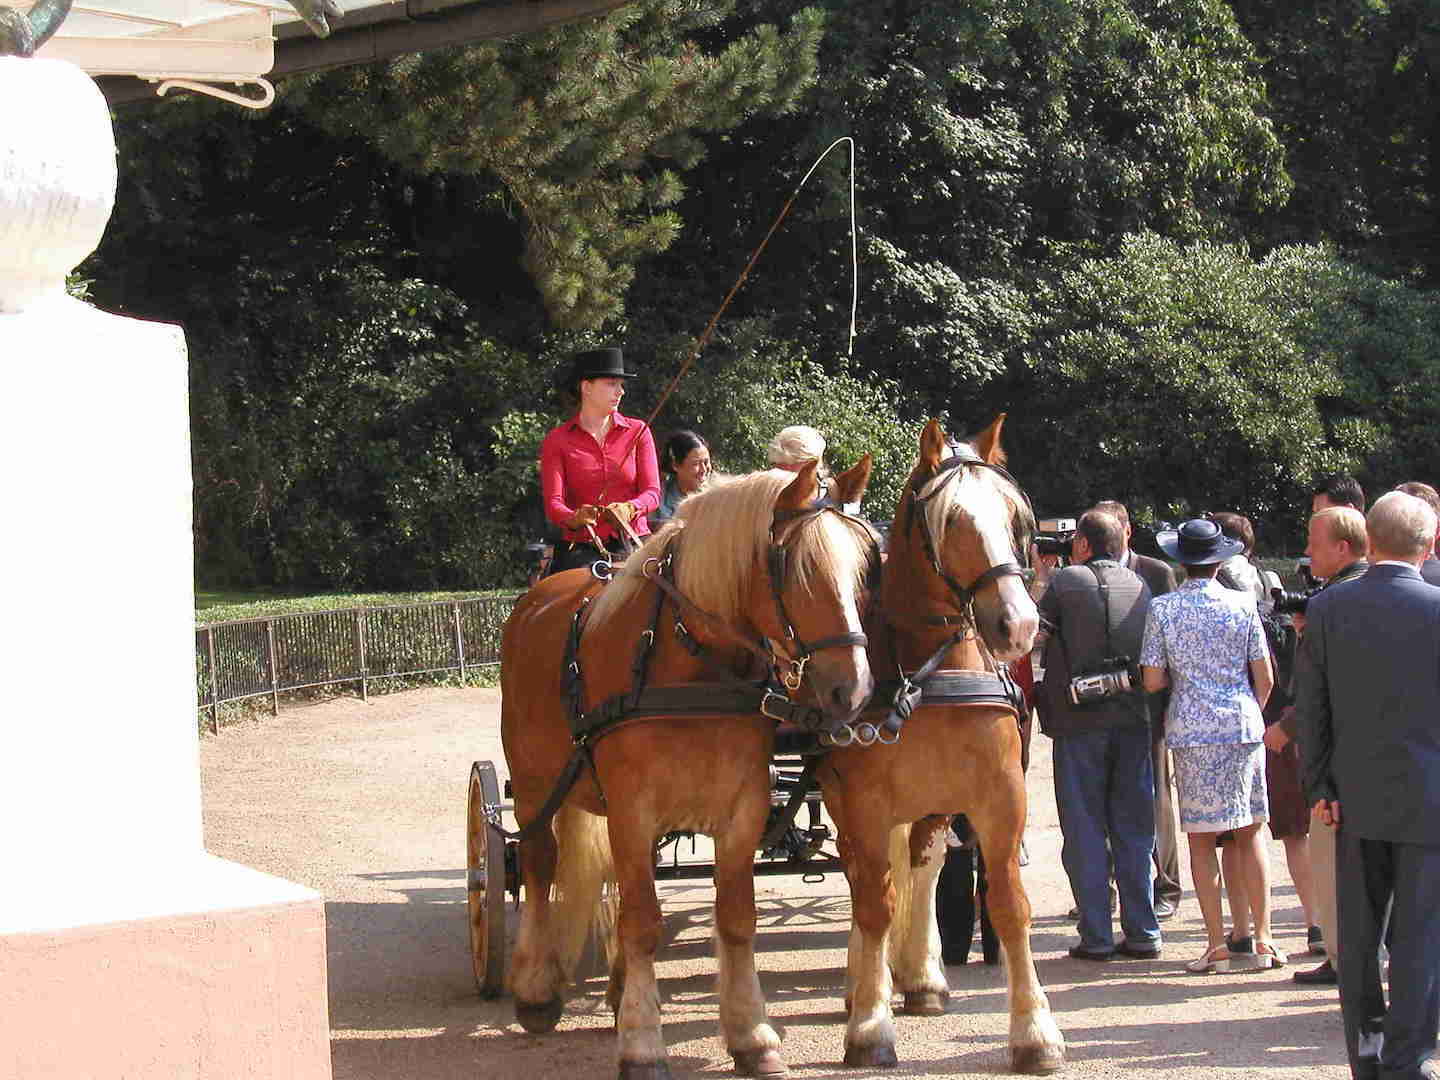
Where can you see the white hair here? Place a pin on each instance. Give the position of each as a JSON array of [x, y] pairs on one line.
[[1400, 525], [796, 445]]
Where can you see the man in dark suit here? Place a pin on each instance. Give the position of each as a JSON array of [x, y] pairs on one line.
[[1368, 705], [1430, 568], [1161, 580]]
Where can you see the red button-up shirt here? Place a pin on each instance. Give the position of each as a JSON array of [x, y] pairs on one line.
[[575, 470]]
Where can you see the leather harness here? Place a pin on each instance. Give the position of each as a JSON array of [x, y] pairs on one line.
[[800, 726]]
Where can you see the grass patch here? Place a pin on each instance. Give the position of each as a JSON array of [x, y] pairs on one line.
[[227, 606]]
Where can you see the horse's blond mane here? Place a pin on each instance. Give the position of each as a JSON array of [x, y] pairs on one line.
[[966, 495], [720, 534]]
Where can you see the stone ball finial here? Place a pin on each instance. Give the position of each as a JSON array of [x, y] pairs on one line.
[[57, 176]]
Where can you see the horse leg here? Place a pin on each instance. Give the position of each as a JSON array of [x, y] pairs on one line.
[[536, 974], [915, 949], [752, 1042], [870, 1033], [1036, 1045], [641, 1049]]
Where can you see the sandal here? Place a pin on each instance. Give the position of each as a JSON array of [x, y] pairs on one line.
[[1217, 959], [1268, 955]]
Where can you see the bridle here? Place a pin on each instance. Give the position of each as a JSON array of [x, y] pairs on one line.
[[798, 651], [949, 471]]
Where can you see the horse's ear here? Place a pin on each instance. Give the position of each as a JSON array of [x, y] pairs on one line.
[[800, 492], [987, 443], [932, 444], [850, 485]]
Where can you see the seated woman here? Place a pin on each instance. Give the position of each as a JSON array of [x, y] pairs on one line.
[[685, 459], [1207, 641], [598, 460], [796, 446]]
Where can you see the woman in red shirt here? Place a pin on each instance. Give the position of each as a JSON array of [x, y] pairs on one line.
[[597, 460]]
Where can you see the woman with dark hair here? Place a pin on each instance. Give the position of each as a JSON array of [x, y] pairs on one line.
[[599, 460], [1208, 643], [685, 459]]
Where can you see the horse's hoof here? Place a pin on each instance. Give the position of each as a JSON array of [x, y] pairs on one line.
[[538, 1019], [644, 1070], [765, 1064], [871, 1057], [926, 1002], [1037, 1060]]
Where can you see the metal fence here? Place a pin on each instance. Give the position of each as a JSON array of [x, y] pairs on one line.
[[251, 658]]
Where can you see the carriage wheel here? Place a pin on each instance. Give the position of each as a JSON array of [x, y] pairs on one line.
[[485, 880]]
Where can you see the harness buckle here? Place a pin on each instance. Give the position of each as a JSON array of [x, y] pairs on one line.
[[765, 706], [796, 674]]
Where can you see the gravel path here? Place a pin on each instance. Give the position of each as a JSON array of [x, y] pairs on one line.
[[365, 803]]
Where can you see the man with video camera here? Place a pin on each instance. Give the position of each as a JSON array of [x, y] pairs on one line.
[[1092, 706]]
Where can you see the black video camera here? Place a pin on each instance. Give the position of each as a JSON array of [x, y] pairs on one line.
[[1294, 603], [1053, 535]]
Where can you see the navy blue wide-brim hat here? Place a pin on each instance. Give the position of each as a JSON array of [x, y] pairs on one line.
[[606, 363], [1198, 542]]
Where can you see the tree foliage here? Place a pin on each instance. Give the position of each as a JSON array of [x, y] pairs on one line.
[[583, 125], [1074, 211]]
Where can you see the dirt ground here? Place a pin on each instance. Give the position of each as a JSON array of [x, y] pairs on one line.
[[366, 804]]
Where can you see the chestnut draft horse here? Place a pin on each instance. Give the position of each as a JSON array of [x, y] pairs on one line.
[[750, 571], [955, 604]]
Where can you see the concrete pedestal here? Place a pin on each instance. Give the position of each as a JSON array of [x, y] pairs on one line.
[[125, 949]]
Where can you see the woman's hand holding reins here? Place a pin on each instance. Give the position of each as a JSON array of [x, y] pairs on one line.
[[588, 514]]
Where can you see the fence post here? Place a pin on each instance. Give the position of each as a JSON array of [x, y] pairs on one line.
[[360, 649], [274, 675], [214, 683], [459, 642]]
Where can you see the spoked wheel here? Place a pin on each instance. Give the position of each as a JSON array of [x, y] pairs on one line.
[[485, 880]]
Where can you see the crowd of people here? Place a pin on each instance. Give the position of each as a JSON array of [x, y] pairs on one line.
[[1134, 663], [1198, 708]]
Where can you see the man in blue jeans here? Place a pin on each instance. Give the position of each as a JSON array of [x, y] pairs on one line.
[[1094, 612]]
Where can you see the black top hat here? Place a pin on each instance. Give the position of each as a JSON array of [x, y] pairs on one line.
[[1198, 542], [607, 363]]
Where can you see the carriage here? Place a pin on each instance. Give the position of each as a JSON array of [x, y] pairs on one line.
[[611, 756]]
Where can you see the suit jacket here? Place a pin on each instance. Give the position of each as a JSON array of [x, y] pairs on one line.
[[1156, 574], [1368, 704], [1430, 571]]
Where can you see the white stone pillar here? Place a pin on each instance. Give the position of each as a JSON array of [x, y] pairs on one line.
[[125, 949]]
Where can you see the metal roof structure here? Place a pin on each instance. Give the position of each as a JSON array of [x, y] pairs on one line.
[[139, 48]]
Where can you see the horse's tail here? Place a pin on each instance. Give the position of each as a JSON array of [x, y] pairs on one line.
[[903, 879], [583, 865]]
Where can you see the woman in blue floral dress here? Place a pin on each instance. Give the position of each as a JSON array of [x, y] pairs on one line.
[[1207, 642]]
